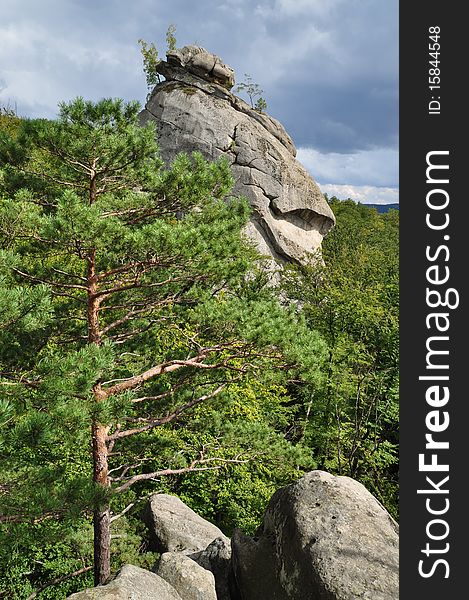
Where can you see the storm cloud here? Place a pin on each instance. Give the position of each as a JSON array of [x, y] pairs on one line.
[[328, 68]]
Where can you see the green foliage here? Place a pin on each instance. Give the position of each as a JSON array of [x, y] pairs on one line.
[[247, 391], [150, 56], [150, 62], [171, 38], [260, 105], [352, 300], [253, 92], [184, 319], [9, 120]]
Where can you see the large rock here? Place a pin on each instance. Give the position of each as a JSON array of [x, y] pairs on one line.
[[323, 538], [203, 64], [189, 579], [217, 559], [174, 527], [193, 112], [131, 583]]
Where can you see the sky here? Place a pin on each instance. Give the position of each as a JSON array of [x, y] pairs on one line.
[[328, 69]]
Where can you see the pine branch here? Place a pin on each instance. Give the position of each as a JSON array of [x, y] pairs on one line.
[[166, 367], [74, 286], [60, 272], [120, 338], [54, 149], [167, 418], [138, 284], [128, 267], [54, 179], [123, 512], [191, 469], [59, 580]]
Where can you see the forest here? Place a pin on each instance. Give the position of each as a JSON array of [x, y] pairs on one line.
[[144, 348]]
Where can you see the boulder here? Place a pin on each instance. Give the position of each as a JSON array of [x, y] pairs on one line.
[[322, 538], [174, 527], [189, 579], [131, 583], [203, 64], [193, 112], [217, 559]]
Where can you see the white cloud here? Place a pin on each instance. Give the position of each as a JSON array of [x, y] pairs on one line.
[[296, 58], [281, 8], [377, 167], [235, 8], [369, 176], [366, 194], [38, 70], [315, 59]]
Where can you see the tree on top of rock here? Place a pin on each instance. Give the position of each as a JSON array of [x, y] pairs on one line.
[[150, 56], [147, 307], [254, 93]]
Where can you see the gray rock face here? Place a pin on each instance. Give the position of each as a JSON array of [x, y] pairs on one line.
[[217, 559], [131, 583], [190, 580], [203, 64], [174, 527], [193, 112], [323, 538]]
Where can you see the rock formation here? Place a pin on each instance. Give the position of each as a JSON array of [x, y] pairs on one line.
[[216, 558], [195, 111], [190, 580], [174, 527], [322, 538], [131, 583]]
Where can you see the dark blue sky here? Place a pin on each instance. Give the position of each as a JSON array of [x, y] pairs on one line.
[[329, 68]]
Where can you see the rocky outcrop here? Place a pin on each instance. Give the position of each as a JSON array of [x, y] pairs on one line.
[[322, 538], [195, 111], [190, 580], [174, 527], [202, 64], [131, 583], [217, 559]]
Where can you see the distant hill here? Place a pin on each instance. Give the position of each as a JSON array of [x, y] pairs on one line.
[[383, 208]]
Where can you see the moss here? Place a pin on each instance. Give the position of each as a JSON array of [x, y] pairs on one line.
[[170, 87], [189, 91]]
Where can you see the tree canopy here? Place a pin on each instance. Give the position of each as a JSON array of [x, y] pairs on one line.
[[352, 299], [131, 303], [142, 350]]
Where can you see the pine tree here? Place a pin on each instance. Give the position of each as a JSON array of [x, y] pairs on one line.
[[148, 304]]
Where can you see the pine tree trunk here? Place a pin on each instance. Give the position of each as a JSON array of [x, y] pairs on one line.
[[102, 545], [102, 515]]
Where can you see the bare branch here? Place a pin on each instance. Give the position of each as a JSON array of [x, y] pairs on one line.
[[59, 580], [54, 179], [138, 284], [126, 468], [168, 418], [191, 469], [157, 370], [141, 264], [75, 286], [68, 274], [112, 442], [123, 512]]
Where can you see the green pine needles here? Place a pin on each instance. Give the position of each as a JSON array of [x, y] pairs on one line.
[[129, 302]]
